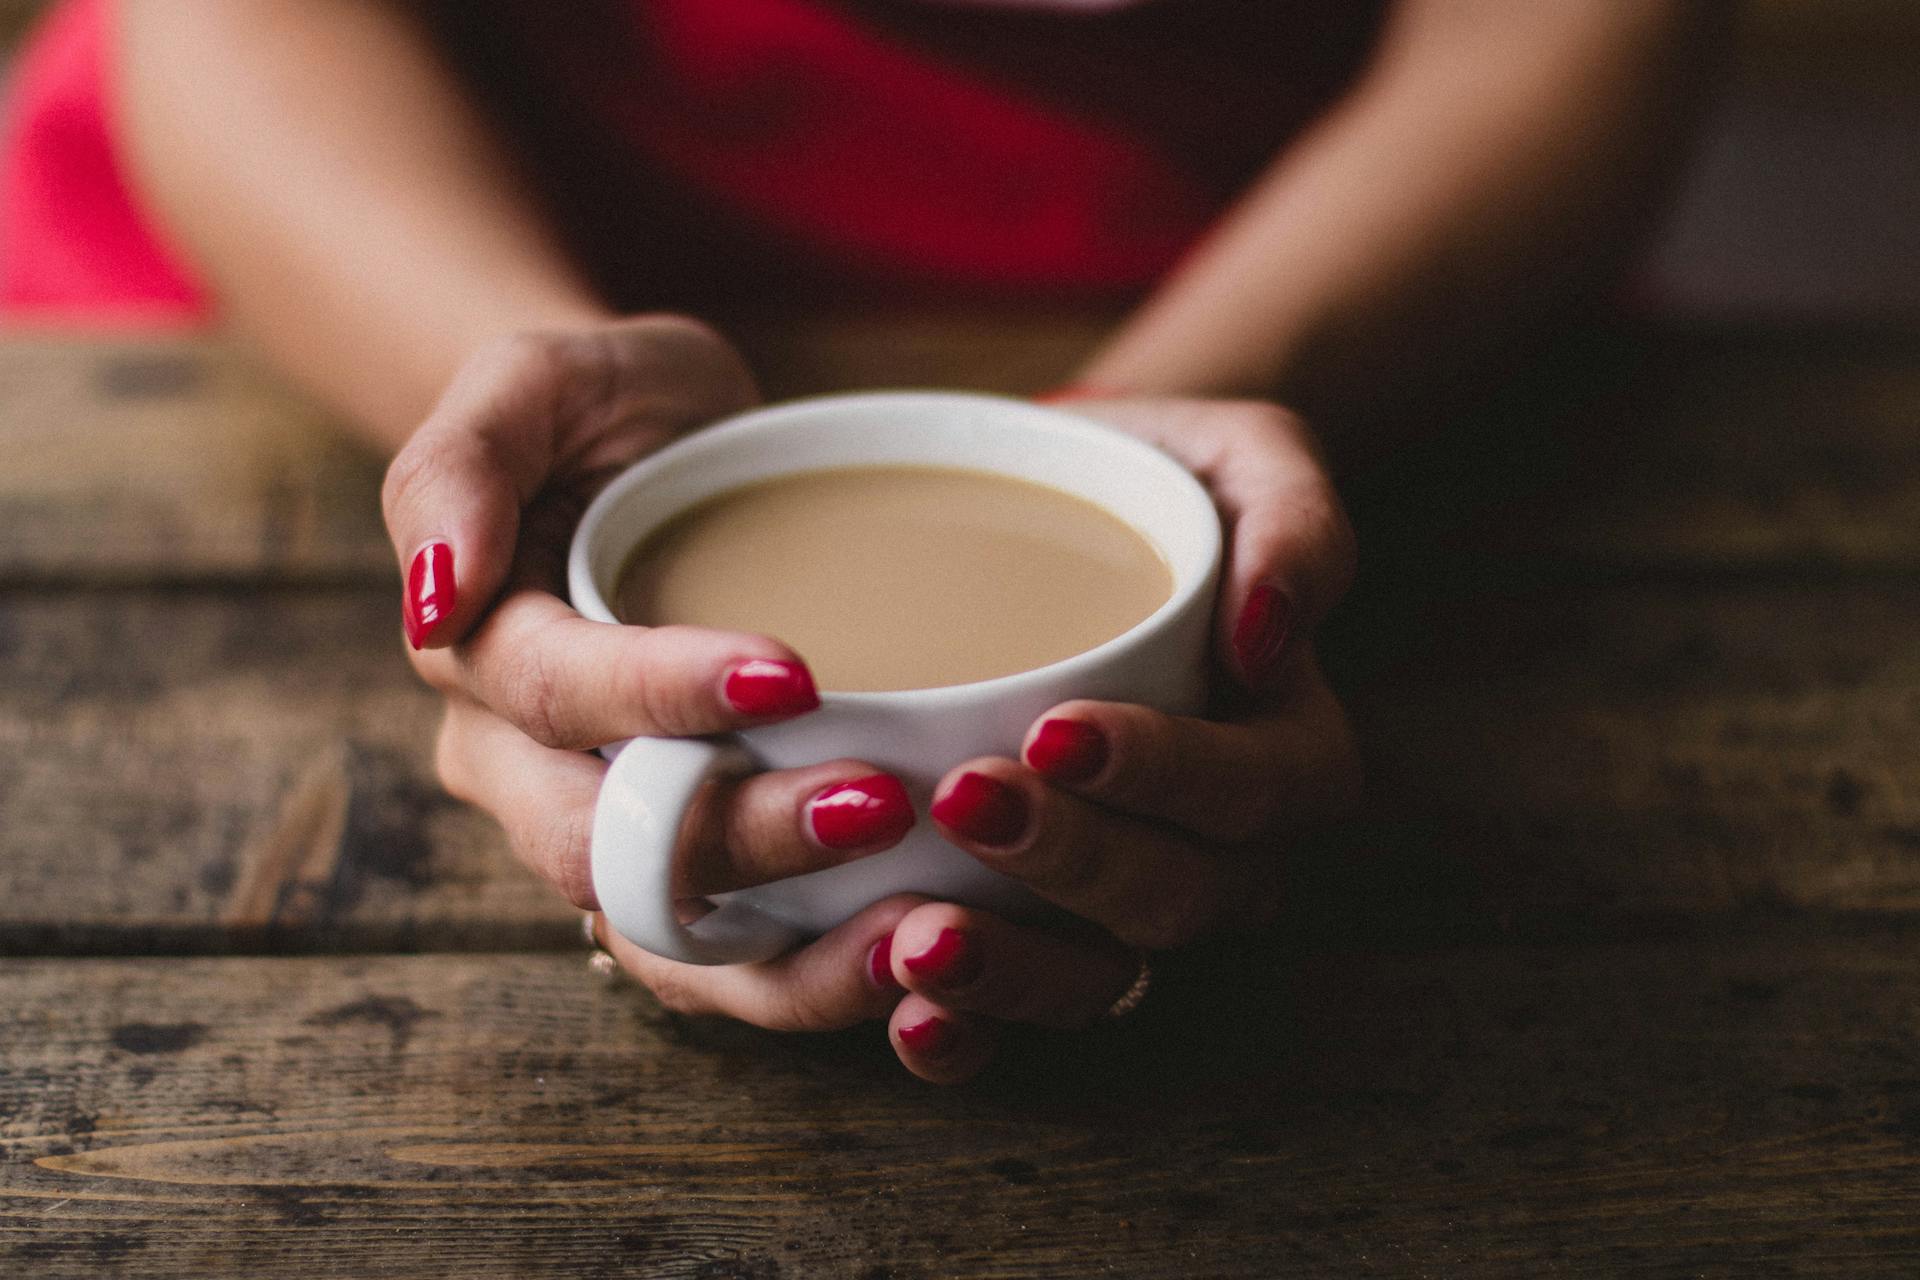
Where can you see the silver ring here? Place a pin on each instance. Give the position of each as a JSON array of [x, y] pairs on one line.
[[1130, 999], [600, 963]]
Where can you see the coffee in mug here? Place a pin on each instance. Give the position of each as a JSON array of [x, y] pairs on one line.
[[900, 577]]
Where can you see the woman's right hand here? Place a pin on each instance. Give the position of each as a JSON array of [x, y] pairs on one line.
[[481, 504]]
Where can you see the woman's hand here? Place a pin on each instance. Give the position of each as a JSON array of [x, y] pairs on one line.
[[481, 504], [1159, 829]]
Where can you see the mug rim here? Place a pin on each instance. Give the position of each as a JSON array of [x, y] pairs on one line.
[[585, 596]]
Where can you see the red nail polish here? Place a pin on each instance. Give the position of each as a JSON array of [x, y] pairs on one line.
[[932, 1037], [1067, 751], [869, 810], [982, 810], [430, 593], [764, 687], [1261, 631], [952, 960], [880, 965]]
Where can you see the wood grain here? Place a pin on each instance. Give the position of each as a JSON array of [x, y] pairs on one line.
[[1745, 1106], [174, 460], [1652, 748], [1674, 451], [210, 769], [170, 459]]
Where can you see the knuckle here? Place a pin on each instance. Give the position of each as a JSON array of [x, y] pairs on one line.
[[802, 1007], [524, 372], [1264, 417], [1144, 754], [560, 857], [666, 706], [1260, 426], [1179, 914], [419, 460], [1067, 863], [538, 705], [679, 327], [703, 353], [675, 992], [530, 353]]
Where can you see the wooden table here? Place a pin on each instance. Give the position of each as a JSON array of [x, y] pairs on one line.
[[1618, 973]]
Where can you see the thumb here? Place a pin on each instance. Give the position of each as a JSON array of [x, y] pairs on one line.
[[521, 409], [453, 497], [1289, 547]]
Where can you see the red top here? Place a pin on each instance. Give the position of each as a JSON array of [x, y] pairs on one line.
[[879, 144]]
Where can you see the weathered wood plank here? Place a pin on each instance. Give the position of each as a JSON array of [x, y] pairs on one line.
[[168, 459], [1703, 451], [1678, 747], [202, 769], [171, 460], [240, 768], [1738, 1107]]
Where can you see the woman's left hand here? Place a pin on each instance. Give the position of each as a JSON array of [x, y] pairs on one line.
[[1159, 829]]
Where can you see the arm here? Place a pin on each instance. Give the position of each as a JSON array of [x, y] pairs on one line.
[[1492, 167], [325, 170]]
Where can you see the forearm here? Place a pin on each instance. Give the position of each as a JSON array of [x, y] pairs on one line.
[[1492, 166], [327, 175]]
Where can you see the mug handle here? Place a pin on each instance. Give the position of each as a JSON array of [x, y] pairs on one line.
[[650, 785]]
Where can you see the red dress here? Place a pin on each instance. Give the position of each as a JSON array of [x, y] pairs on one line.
[[858, 144]]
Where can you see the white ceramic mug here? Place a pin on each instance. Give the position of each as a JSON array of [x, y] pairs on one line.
[[915, 734]]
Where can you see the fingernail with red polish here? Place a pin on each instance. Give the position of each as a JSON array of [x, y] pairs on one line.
[[1067, 751], [932, 1037], [430, 594], [952, 961], [1261, 631], [764, 687], [982, 810], [864, 811], [880, 965]]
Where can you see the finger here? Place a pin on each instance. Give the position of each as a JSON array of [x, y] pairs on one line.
[[939, 1044], [521, 411], [763, 828], [1285, 769], [823, 986], [1148, 884], [453, 511], [572, 683], [973, 961], [543, 799], [770, 826], [1290, 548]]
